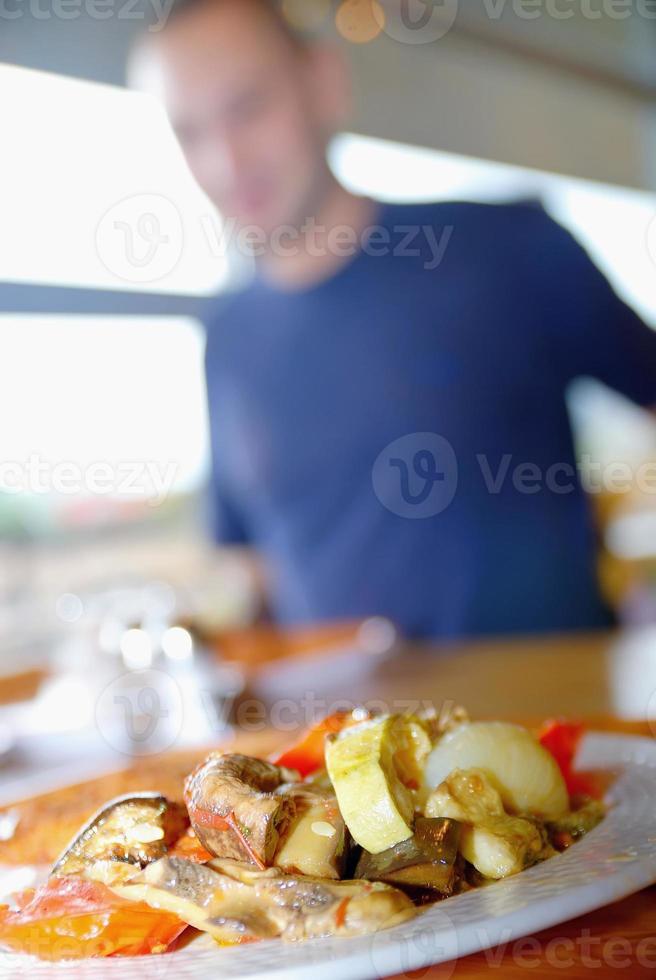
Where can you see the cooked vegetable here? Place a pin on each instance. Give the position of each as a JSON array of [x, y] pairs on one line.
[[496, 844], [234, 809], [562, 739], [123, 837], [72, 918], [236, 903], [468, 795], [431, 801], [503, 846], [571, 826], [374, 767], [523, 772], [307, 755], [438, 722], [315, 840], [188, 846], [426, 861]]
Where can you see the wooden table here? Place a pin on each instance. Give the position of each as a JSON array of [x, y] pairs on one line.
[[597, 677], [587, 675]]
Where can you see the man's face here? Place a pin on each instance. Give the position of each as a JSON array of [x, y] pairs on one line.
[[252, 112]]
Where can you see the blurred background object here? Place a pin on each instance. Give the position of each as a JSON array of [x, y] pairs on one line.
[[495, 105]]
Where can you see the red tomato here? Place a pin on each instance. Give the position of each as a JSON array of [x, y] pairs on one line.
[[307, 755], [188, 846], [72, 918], [562, 739]]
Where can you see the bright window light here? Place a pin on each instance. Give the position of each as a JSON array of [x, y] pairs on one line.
[[80, 161], [106, 397], [612, 222], [84, 390]]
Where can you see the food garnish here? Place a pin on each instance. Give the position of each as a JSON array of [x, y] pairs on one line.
[[74, 918], [307, 755], [348, 832]]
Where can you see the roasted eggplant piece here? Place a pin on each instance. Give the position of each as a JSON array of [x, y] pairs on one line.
[[234, 807], [316, 841], [124, 836], [427, 861], [236, 903]]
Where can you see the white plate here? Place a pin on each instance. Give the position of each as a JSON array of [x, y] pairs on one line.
[[614, 860]]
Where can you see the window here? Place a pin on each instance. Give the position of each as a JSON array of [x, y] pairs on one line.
[[107, 248]]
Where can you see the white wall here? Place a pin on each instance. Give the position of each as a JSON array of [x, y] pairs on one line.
[[467, 97]]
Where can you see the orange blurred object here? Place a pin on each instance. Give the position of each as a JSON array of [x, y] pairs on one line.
[[189, 847], [562, 740], [307, 755], [262, 645], [72, 918]]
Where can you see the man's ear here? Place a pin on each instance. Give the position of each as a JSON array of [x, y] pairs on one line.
[[329, 84]]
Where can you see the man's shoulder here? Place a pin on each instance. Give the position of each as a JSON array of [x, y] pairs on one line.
[[222, 317], [511, 215], [221, 305], [228, 308]]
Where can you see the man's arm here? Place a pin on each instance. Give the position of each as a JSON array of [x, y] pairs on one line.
[[595, 333]]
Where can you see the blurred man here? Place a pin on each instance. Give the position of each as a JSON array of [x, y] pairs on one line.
[[389, 426]]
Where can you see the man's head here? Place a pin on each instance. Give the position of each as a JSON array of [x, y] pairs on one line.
[[253, 107]]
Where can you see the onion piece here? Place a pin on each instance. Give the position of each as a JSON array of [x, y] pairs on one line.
[[524, 773]]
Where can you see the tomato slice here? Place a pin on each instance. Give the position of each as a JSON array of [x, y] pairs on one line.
[[72, 918], [562, 740], [189, 847], [307, 755]]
